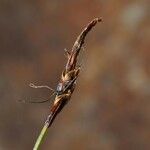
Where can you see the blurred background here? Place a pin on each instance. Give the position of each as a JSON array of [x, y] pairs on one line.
[[110, 108]]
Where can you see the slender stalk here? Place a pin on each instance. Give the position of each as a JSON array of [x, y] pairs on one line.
[[41, 137], [67, 82]]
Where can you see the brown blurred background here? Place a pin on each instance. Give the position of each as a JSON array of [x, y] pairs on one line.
[[110, 108]]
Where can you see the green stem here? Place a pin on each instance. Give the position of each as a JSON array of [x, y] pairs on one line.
[[41, 137]]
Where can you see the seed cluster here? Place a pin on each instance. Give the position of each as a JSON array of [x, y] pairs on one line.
[[69, 76]]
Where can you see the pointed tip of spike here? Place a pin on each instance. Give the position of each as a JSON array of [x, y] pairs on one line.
[[98, 19]]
